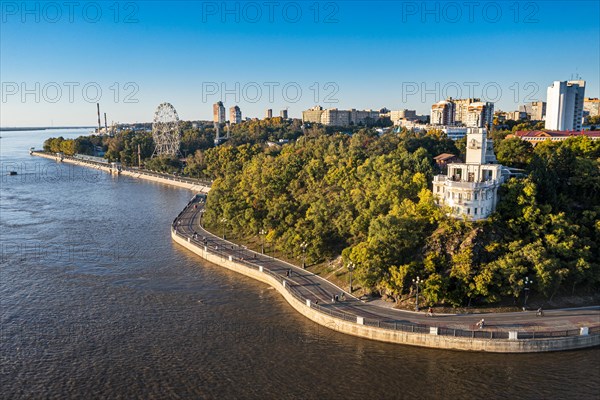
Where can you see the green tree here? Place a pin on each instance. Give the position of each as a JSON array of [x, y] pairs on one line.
[[514, 152]]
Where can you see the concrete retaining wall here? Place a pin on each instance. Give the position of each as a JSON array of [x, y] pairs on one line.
[[431, 340], [392, 336], [138, 175], [184, 185]]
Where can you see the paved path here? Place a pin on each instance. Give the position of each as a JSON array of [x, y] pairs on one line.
[[318, 289]]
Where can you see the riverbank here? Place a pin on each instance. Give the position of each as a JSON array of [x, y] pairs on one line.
[[189, 184], [334, 271], [310, 296]]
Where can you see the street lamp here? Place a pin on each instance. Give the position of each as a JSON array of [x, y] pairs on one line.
[[527, 283], [350, 267], [303, 246], [262, 241], [223, 221], [416, 282]]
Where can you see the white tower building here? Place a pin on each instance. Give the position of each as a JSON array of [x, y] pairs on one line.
[[480, 114], [235, 115], [470, 188], [564, 105], [442, 113], [218, 112]]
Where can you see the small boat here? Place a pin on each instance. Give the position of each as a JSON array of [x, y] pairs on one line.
[[11, 173]]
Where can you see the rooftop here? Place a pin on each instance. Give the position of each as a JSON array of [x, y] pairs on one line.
[[557, 134], [444, 156]]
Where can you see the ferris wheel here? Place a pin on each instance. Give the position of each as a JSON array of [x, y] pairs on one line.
[[165, 130]]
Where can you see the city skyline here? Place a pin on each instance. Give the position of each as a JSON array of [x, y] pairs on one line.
[[206, 199], [149, 53]]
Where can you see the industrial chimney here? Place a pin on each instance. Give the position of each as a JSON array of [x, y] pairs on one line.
[[99, 123]]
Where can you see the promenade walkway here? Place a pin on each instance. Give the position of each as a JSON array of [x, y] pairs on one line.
[[312, 295], [554, 323]]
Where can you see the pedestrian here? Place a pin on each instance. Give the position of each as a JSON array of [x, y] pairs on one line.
[[287, 273], [290, 272], [317, 301], [430, 312], [336, 298]]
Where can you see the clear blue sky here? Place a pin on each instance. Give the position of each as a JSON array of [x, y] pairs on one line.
[[364, 54]]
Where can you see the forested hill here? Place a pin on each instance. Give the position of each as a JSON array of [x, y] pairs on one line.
[[367, 198]]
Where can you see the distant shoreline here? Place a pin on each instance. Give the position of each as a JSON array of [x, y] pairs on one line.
[[42, 128]]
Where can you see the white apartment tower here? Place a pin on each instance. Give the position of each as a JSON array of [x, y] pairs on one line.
[[218, 112], [442, 113], [564, 105], [462, 109], [536, 110], [235, 115], [470, 189], [480, 114]]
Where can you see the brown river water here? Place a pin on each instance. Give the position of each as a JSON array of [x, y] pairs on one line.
[[97, 302]]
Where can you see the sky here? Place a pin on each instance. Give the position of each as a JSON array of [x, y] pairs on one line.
[[57, 59]]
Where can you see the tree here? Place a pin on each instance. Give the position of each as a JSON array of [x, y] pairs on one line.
[[164, 163], [367, 197], [514, 152]]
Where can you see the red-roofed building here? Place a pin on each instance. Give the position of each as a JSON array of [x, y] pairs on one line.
[[444, 159], [535, 137]]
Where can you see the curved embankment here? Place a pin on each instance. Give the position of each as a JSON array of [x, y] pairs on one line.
[[433, 338], [172, 181]]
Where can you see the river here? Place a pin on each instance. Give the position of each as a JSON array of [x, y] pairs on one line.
[[97, 302]]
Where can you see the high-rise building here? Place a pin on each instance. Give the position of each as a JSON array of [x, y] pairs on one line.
[[592, 106], [235, 115], [513, 115], [335, 117], [461, 107], [442, 113], [397, 115], [564, 108], [269, 113], [470, 189], [536, 110], [480, 114], [219, 112], [283, 114], [364, 117], [312, 114]]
